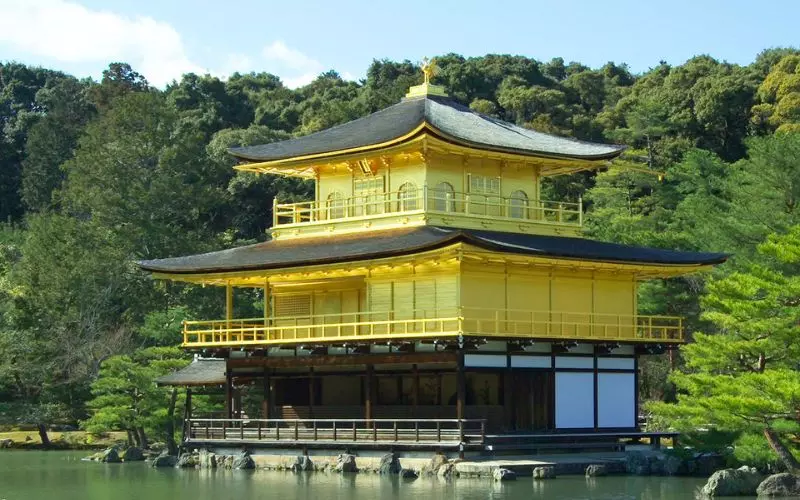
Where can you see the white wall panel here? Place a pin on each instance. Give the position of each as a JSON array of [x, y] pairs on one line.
[[574, 362], [531, 362], [616, 400], [615, 363], [574, 400], [485, 360]]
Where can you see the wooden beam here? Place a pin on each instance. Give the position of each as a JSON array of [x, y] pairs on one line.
[[415, 389], [345, 360], [228, 303]]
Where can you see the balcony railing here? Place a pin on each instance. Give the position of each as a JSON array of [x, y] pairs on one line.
[[432, 324], [516, 209]]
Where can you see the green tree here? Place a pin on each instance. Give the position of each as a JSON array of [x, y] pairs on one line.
[[744, 378]]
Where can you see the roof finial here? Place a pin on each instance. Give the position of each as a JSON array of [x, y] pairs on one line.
[[429, 69]]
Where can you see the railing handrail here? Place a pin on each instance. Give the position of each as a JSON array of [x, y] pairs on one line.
[[438, 315], [429, 200], [349, 420]]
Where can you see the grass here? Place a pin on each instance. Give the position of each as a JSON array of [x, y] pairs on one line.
[[70, 440]]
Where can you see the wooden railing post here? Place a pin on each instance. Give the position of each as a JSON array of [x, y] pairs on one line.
[[396, 435], [355, 432], [580, 211], [460, 431], [274, 212], [259, 429], [483, 431], [374, 430], [241, 430], [439, 430], [296, 430], [277, 431], [334, 430], [314, 424]]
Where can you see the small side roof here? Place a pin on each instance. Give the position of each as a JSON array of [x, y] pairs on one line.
[[200, 372], [444, 117], [276, 254]]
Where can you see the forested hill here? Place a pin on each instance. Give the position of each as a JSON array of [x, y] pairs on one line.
[[94, 175]]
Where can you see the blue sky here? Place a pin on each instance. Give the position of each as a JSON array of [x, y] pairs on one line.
[[297, 39]]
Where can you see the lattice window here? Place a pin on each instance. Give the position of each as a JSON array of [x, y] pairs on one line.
[[369, 194], [335, 205], [517, 205], [407, 197], [444, 197], [293, 305]]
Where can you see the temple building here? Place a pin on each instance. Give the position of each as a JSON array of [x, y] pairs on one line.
[[428, 296]]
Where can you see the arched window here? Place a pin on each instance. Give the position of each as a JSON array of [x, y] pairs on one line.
[[335, 205], [444, 197], [407, 197], [518, 205]]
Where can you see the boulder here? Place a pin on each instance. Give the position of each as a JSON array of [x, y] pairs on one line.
[[408, 474], [672, 465], [596, 470], [390, 464], [165, 460], [504, 475], [132, 454], [6, 443], [780, 485], [346, 463], [546, 472], [188, 461], [109, 456], [436, 462], [704, 464], [446, 470], [207, 459], [243, 461], [637, 463], [733, 482], [302, 464]]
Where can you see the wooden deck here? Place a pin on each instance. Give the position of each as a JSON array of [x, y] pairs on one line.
[[318, 433], [401, 434]]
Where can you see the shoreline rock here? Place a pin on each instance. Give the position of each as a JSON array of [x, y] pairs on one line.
[[784, 484], [743, 481]]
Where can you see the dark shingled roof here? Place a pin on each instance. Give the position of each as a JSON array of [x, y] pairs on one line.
[[378, 244], [443, 114], [202, 371]]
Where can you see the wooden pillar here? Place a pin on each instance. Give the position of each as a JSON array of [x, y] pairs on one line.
[[508, 399], [228, 394], [414, 389], [461, 385], [187, 414], [228, 304], [369, 390], [311, 391], [267, 401], [266, 304]]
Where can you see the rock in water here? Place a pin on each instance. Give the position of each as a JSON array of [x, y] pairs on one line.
[[132, 454], [243, 461], [596, 470], [733, 482], [302, 464], [188, 461], [390, 464], [109, 456], [446, 470], [346, 463], [504, 475], [780, 485], [6, 443], [165, 460], [408, 474], [546, 472], [207, 459]]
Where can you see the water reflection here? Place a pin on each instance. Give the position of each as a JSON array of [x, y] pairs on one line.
[[27, 475]]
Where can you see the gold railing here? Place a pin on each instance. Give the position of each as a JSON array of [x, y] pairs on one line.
[[429, 201], [420, 324]]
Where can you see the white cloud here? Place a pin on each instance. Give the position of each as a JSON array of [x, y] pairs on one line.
[[290, 58], [67, 32], [71, 33]]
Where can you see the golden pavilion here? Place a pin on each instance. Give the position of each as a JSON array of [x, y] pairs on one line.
[[428, 297]]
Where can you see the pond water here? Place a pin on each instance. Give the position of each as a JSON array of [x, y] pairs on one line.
[[62, 475]]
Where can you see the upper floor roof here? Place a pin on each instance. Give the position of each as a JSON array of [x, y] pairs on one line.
[[437, 115]]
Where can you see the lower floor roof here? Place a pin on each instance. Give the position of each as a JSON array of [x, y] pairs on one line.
[[281, 254]]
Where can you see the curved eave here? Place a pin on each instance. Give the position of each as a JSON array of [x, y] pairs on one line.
[[425, 128]]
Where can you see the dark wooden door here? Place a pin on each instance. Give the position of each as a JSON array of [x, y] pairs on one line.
[[533, 400]]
